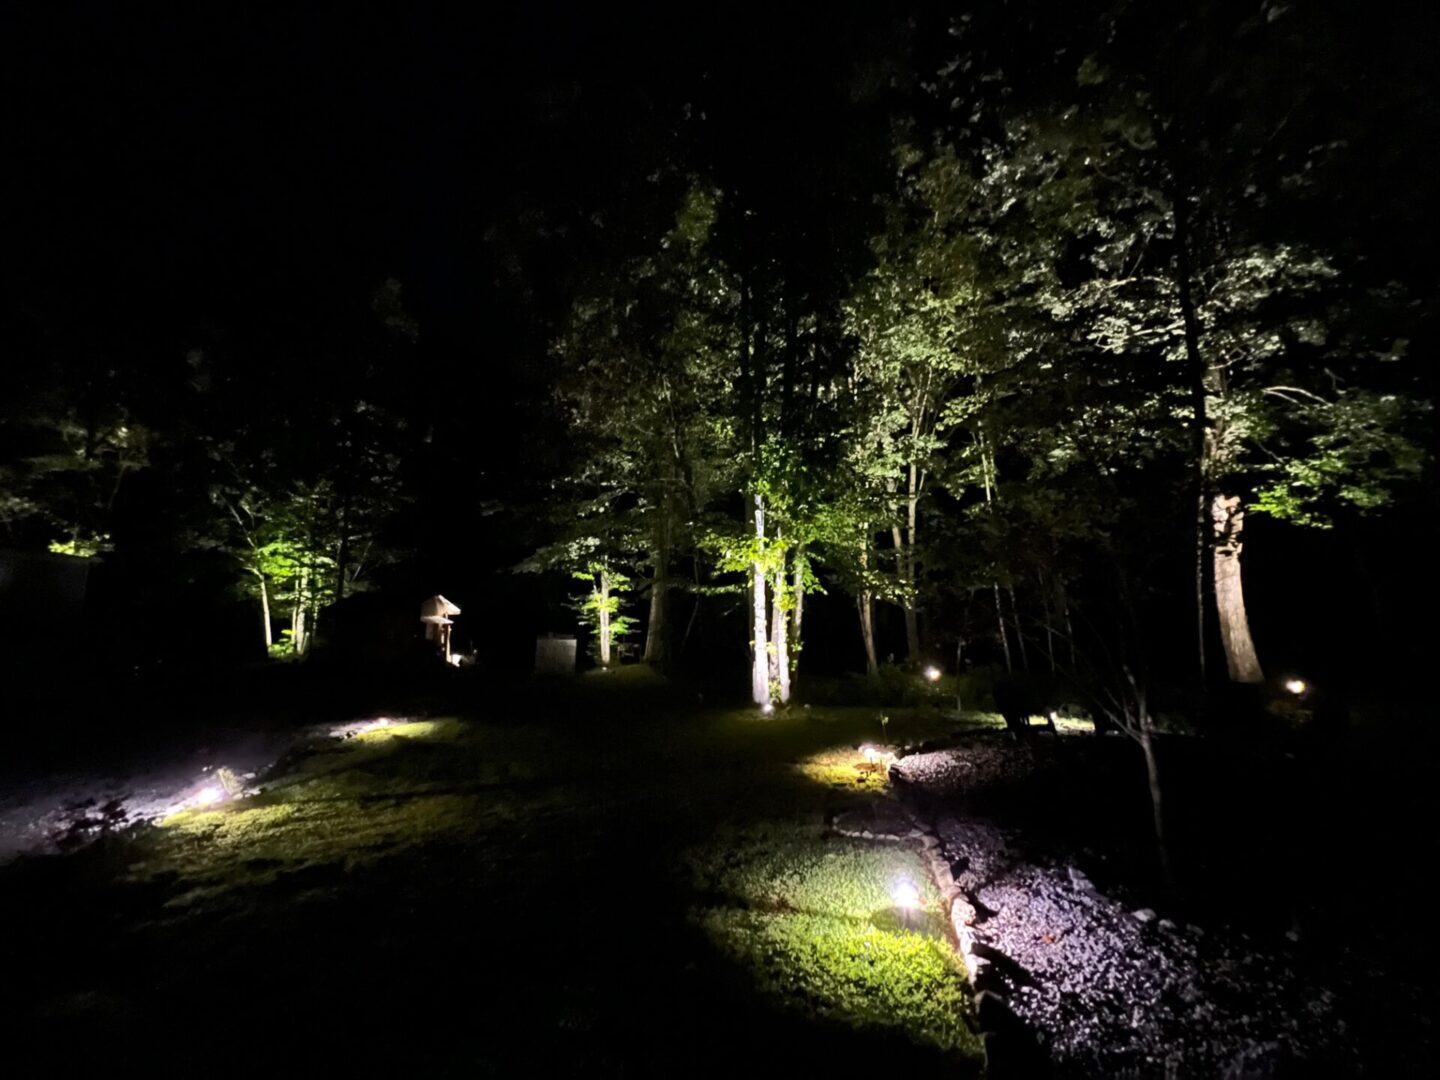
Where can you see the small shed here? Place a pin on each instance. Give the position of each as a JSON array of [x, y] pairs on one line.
[[555, 655], [435, 615]]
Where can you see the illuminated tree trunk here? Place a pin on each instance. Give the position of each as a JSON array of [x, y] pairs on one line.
[[867, 631], [655, 630], [604, 619], [866, 604], [987, 472], [779, 651], [265, 612], [912, 621], [905, 568], [1227, 517], [297, 618], [797, 611], [760, 665]]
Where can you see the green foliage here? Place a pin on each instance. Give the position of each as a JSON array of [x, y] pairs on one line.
[[1360, 447], [606, 592]]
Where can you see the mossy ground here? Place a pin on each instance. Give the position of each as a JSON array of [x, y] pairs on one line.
[[598, 874]]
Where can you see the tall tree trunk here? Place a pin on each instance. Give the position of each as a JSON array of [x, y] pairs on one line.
[[780, 652], [1201, 434], [1152, 774], [1019, 633], [912, 621], [265, 612], [866, 605], [760, 665], [655, 630], [1004, 636], [1228, 518], [604, 620], [1069, 626], [342, 557], [1046, 599], [797, 610], [298, 631]]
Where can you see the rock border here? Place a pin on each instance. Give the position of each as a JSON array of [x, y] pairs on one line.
[[1011, 1049]]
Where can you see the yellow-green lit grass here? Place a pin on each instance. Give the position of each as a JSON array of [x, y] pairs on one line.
[[344, 805], [447, 729], [813, 919], [848, 971], [847, 769]]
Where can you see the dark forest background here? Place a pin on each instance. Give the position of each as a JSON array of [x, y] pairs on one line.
[[297, 296]]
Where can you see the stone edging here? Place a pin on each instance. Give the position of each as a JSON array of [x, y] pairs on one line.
[[1010, 1048]]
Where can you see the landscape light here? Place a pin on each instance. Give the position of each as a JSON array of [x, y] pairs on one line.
[[768, 709], [209, 796], [932, 673], [1296, 686], [905, 895]]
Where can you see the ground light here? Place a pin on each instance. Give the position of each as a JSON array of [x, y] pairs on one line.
[[768, 709], [905, 894], [1296, 686], [209, 796], [932, 673]]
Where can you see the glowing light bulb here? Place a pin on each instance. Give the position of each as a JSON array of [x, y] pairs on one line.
[[1295, 686], [767, 709], [905, 895], [932, 673], [209, 796]]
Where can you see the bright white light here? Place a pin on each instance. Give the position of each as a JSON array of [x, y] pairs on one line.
[[905, 895], [209, 796], [768, 709], [1295, 686], [932, 673], [1054, 716]]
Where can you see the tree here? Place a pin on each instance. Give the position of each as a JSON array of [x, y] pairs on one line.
[[915, 319]]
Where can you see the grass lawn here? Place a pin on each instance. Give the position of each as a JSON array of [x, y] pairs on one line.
[[600, 878]]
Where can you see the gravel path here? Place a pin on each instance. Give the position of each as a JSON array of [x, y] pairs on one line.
[[1111, 991]]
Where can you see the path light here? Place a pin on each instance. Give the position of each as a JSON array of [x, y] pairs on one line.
[[932, 673], [905, 895], [209, 796], [1296, 686], [768, 709]]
